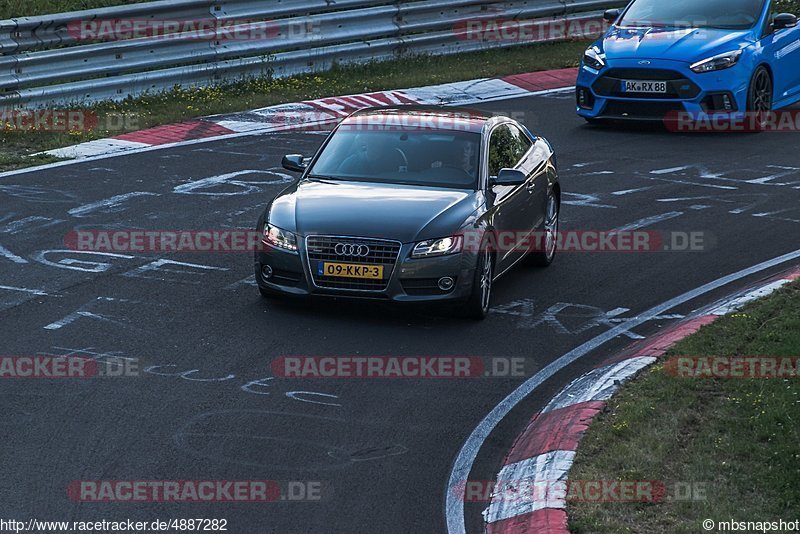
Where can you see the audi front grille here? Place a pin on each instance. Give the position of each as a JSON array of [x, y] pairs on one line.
[[352, 250]]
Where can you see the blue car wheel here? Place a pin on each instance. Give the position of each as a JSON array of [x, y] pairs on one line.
[[759, 98]]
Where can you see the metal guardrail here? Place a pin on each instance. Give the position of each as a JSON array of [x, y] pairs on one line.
[[43, 61]]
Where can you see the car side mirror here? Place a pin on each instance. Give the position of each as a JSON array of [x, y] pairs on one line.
[[611, 15], [508, 177], [783, 21], [294, 162]]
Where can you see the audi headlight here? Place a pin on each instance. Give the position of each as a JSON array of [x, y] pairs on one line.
[[719, 62], [594, 58], [438, 247], [280, 238]]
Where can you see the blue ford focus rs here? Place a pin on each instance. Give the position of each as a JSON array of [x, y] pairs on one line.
[[702, 58]]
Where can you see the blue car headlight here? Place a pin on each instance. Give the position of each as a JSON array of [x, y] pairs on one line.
[[279, 238], [718, 62], [594, 57], [438, 247]]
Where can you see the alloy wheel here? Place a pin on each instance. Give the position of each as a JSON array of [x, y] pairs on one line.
[[486, 280]]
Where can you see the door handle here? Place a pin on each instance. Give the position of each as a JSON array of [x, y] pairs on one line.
[[530, 187]]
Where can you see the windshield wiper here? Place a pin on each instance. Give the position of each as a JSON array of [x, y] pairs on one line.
[[322, 178]]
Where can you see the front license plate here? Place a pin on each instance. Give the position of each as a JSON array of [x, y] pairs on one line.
[[636, 86], [350, 270]]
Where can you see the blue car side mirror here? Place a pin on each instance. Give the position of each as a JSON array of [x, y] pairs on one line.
[[611, 15], [784, 20]]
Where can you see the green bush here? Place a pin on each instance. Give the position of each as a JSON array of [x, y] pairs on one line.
[[787, 6]]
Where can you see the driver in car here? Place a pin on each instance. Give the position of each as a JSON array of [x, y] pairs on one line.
[[461, 156], [370, 158]]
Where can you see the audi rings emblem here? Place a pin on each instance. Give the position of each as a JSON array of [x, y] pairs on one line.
[[350, 249]]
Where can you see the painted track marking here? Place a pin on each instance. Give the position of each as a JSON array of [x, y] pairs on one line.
[[462, 466], [235, 136]]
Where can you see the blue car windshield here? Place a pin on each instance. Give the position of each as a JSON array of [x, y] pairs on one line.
[[433, 158], [723, 14]]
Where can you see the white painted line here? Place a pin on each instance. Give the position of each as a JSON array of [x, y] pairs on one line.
[[671, 170], [204, 185], [526, 95], [598, 384], [71, 318], [697, 184], [58, 164], [11, 256], [17, 226], [528, 485], [682, 199], [462, 466], [737, 303], [112, 202], [94, 148], [648, 221], [37, 292]]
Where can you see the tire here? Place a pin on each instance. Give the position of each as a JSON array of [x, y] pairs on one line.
[[479, 302], [545, 257], [760, 97]]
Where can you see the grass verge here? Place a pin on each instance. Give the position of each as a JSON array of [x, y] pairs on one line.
[[182, 104], [738, 440], [31, 8]]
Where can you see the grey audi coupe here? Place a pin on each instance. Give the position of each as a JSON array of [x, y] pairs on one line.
[[412, 204]]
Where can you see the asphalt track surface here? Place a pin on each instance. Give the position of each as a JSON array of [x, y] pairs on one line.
[[209, 408]]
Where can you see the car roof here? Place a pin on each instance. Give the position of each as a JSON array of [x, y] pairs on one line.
[[417, 116]]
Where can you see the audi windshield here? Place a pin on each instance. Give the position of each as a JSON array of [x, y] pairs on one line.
[[423, 157], [723, 14]]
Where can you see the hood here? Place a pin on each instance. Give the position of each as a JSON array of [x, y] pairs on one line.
[[391, 211], [687, 44]]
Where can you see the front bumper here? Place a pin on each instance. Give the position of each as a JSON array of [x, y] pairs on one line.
[[699, 96], [405, 280]]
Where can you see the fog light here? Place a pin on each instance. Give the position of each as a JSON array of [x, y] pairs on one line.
[[726, 101], [716, 102], [266, 272], [585, 98], [446, 283]]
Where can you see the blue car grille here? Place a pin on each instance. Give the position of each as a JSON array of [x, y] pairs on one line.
[[678, 86], [381, 252]]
